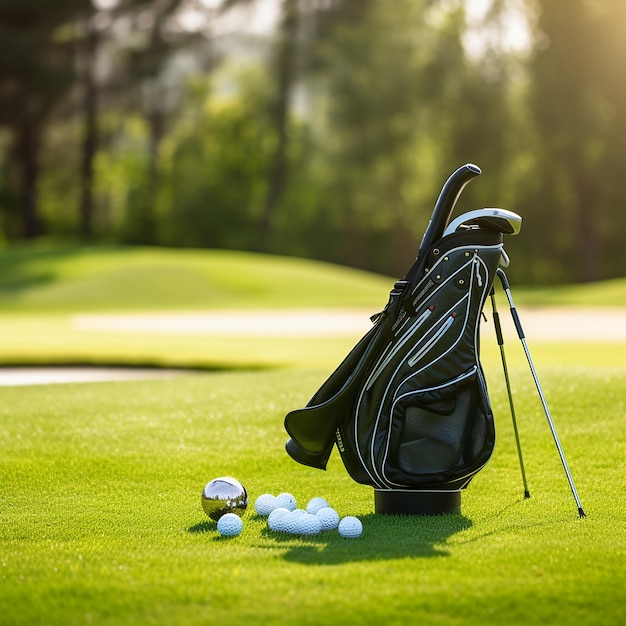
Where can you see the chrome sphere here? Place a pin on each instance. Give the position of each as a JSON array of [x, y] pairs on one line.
[[224, 495]]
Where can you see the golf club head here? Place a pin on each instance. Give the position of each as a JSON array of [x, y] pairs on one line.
[[500, 220]]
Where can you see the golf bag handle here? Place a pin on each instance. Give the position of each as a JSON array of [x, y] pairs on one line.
[[444, 206]]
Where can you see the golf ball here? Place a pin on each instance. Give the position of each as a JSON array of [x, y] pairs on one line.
[[229, 525], [307, 524], [265, 504], [291, 521], [329, 518], [276, 520], [286, 501], [224, 495], [315, 505], [350, 527]]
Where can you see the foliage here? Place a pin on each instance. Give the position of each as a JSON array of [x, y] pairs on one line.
[[215, 179], [36, 73], [584, 137], [329, 137]]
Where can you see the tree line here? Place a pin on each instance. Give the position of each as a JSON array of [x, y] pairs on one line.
[[329, 135]]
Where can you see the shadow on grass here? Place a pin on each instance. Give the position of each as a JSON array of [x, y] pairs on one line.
[[16, 272], [502, 520], [202, 527], [384, 537]]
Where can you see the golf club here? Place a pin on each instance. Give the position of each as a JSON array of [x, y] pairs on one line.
[[501, 220]]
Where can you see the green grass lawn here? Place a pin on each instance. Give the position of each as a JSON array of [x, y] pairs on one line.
[[100, 515], [101, 521], [40, 279]]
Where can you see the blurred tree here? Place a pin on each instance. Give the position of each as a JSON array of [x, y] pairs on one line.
[[87, 54], [480, 110], [364, 103], [156, 40], [283, 74], [215, 177], [36, 72], [76, 65], [333, 143], [396, 86], [579, 102]]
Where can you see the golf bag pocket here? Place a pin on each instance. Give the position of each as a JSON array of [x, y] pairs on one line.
[[440, 433]]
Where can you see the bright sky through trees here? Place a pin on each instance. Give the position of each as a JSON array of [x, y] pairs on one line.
[[510, 33]]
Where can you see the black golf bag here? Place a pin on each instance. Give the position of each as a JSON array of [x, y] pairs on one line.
[[408, 407]]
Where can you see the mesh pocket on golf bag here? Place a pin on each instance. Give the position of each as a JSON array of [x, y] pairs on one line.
[[438, 430]]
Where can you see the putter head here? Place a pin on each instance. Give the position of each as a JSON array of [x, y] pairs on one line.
[[500, 220]]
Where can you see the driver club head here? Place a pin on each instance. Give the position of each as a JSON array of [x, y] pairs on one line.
[[499, 220]]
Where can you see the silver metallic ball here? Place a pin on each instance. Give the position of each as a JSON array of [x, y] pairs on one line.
[[224, 495]]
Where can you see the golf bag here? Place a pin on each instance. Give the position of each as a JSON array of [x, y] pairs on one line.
[[408, 407]]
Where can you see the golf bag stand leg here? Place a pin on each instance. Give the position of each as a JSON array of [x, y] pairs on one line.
[[520, 332], [500, 338]]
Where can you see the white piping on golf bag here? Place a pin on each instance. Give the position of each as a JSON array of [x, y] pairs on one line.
[[422, 345]]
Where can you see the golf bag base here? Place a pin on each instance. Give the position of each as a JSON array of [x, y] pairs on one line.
[[398, 502]]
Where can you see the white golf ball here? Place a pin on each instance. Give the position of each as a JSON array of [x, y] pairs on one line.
[[229, 525], [350, 527], [307, 524], [286, 501], [265, 504], [328, 517], [315, 505], [277, 518], [291, 520]]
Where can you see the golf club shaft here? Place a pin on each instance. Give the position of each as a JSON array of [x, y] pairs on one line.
[[520, 332], [500, 337], [444, 206]]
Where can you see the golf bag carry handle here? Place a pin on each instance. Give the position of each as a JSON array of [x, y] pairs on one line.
[[444, 206]]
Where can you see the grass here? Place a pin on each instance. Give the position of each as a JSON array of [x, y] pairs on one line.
[[100, 516], [36, 279], [101, 520], [606, 293], [44, 290]]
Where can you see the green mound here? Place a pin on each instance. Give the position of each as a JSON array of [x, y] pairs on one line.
[[605, 293], [52, 279], [59, 280]]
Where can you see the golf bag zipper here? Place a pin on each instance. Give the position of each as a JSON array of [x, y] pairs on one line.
[[391, 349], [418, 322], [438, 335], [473, 370], [479, 280]]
